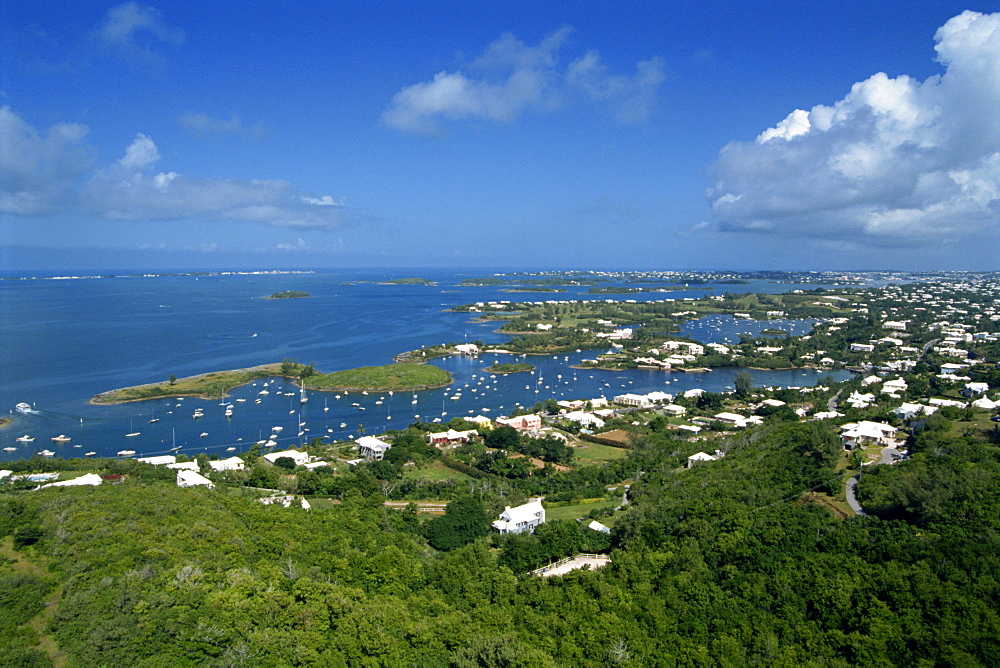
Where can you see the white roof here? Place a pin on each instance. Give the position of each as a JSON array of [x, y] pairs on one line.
[[190, 466], [702, 457], [187, 478], [159, 460], [372, 442], [523, 513], [298, 457], [232, 464], [87, 479]]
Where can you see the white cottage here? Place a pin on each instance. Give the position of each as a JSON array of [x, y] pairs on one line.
[[521, 519]]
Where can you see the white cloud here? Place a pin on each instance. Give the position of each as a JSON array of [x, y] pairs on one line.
[[895, 162], [205, 125], [37, 170], [129, 29], [52, 173], [511, 77]]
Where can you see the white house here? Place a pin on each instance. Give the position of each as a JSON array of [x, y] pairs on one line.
[[184, 466], [636, 400], [467, 349], [522, 519], [731, 418], [372, 448], [673, 409], [974, 389], [699, 457], [862, 347], [584, 418], [300, 458], [161, 460], [855, 434], [907, 411], [231, 464], [186, 478]]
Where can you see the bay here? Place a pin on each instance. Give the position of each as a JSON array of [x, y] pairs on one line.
[[65, 341]]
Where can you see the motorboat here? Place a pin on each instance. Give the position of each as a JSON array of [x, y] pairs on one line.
[[126, 453], [25, 439], [89, 454], [61, 438], [46, 453], [23, 407]]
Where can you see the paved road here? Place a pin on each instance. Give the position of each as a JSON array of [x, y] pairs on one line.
[[852, 500], [831, 405]]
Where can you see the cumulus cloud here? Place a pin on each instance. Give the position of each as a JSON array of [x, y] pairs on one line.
[[204, 125], [131, 27], [37, 170], [897, 161], [44, 174], [511, 77]]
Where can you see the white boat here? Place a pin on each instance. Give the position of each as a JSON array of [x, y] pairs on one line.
[[126, 453], [131, 433], [263, 393], [203, 434], [302, 396], [9, 449], [276, 429], [46, 453], [230, 449], [89, 454], [229, 412], [23, 407], [61, 438], [25, 439]]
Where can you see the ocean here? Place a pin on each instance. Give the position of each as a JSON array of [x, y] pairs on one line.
[[68, 339]]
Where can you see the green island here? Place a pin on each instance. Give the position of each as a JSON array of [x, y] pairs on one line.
[[288, 294], [205, 385], [215, 384], [399, 376], [516, 367]]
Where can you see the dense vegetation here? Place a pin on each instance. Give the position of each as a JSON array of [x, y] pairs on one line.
[[725, 563], [288, 294], [388, 377]]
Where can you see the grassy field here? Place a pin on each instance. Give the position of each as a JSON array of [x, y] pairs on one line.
[[435, 471], [578, 510], [404, 376], [595, 453]]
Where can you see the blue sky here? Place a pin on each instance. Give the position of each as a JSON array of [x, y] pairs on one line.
[[582, 135]]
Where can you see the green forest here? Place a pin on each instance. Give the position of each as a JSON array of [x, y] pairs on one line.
[[733, 562]]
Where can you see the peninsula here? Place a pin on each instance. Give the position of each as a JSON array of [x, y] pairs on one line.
[[403, 377]]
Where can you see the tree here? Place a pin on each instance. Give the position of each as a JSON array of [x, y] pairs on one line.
[[743, 382], [464, 520], [173, 379], [286, 463], [502, 438]]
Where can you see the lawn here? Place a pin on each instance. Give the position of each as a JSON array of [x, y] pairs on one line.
[[579, 510], [595, 453]]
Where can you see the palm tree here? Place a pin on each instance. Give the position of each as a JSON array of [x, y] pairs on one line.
[[361, 430]]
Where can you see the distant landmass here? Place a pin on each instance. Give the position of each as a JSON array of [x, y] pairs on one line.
[[288, 294]]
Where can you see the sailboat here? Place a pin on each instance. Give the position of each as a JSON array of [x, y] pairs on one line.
[[325, 407], [131, 433], [152, 415], [302, 394], [173, 440]]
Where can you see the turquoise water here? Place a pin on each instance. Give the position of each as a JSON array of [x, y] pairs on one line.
[[67, 340]]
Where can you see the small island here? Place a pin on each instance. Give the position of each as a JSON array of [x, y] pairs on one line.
[[403, 377], [408, 281], [288, 294], [517, 367]]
